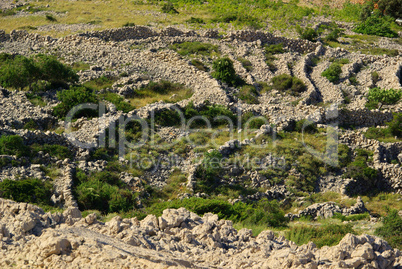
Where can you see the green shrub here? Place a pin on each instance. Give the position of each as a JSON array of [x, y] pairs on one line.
[[224, 71], [354, 217], [310, 127], [59, 151], [353, 80], [361, 172], [332, 73], [102, 191], [274, 49], [118, 101], [270, 50], [375, 77], [53, 71], [257, 123], [50, 17], [375, 25], [391, 8], [391, 230], [129, 24], [248, 94], [195, 20], [72, 97], [246, 64], [288, 84], [199, 65], [27, 191], [207, 173], [395, 126], [169, 8], [100, 83], [31, 125], [162, 87], [325, 235], [210, 112], [13, 145], [307, 33], [263, 212], [167, 117], [20, 72], [383, 96], [195, 48]]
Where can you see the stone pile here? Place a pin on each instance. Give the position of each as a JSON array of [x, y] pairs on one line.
[[178, 239]]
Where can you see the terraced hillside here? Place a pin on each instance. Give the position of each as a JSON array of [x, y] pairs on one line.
[[119, 133]]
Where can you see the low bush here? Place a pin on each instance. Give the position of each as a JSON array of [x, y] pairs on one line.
[[383, 96], [307, 33], [263, 212], [354, 217], [13, 145], [74, 96], [246, 64], [359, 170], [333, 72], [59, 151], [20, 72], [129, 24], [50, 17], [325, 235], [199, 65], [207, 173], [26, 191], [100, 83], [375, 24], [167, 117], [195, 20], [306, 126], [118, 101], [248, 94], [270, 51], [375, 77], [391, 230], [102, 191], [169, 8], [210, 112], [288, 84], [224, 71], [394, 129], [195, 48]]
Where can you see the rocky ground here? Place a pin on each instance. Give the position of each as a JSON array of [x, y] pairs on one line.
[[31, 238]]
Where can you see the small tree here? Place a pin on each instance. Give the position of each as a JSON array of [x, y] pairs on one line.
[[76, 95], [224, 71]]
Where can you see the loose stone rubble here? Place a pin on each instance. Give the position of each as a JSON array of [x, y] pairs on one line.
[[177, 239]]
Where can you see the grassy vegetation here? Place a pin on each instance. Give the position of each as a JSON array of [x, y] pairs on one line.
[[163, 90], [391, 230], [100, 83], [224, 71], [377, 96], [36, 72], [248, 94], [333, 72], [195, 48], [325, 235], [288, 84], [103, 191], [27, 191], [254, 14], [270, 51], [392, 133]]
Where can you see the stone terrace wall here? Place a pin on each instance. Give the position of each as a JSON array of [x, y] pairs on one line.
[[143, 32], [364, 117]]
